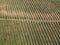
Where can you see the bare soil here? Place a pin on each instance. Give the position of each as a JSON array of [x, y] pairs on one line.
[[31, 15]]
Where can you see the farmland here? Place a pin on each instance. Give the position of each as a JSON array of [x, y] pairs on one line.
[[21, 8], [29, 33], [29, 22]]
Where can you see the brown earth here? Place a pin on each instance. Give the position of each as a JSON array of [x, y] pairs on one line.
[[4, 12], [30, 14]]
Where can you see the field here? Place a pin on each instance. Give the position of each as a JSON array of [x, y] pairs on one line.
[[29, 33], [29, 22]]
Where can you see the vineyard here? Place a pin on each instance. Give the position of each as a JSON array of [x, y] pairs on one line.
[[29, 22]]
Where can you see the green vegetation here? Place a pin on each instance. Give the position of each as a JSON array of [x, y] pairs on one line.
[[25, 33], [14, 32], [43, 6]]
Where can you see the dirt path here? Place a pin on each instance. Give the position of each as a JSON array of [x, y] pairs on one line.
[[30, 14]]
